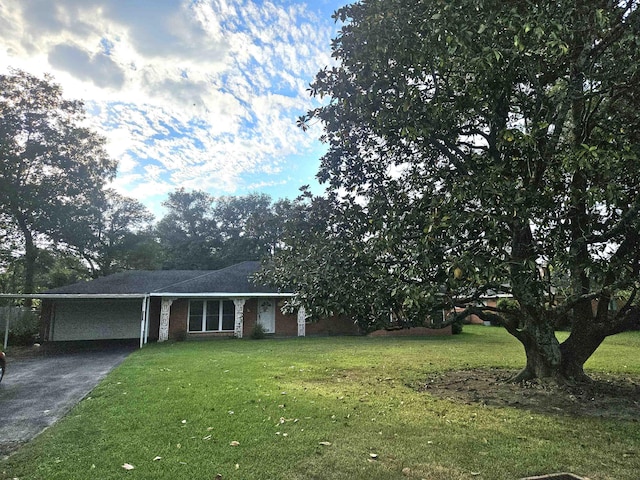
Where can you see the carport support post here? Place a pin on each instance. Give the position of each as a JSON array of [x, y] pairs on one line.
[[6, 331], [143, 321], [165, 312], [239, 316]]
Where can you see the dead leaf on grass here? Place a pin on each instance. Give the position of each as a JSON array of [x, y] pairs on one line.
[[234, 443], [157, 458], [326, 444], [128, 466]]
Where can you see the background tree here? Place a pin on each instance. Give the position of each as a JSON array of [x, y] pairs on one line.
[[116, 236], [248, 226], [487, 146], [200, 231], [188, 234], [51, 167]]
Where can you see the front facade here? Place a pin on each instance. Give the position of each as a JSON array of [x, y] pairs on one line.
[[163, 305]]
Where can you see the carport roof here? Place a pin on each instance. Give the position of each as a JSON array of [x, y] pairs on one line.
[[235, 279]]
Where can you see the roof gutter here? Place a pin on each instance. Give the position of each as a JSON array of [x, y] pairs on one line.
[[220, 295], [73, 295], [55, 296]]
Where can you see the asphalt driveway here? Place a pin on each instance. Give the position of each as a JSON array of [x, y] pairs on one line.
[[41, 387]]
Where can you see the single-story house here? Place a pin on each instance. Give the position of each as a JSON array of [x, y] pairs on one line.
[[175, 304]]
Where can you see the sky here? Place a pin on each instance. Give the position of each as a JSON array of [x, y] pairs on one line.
[[194, 94]]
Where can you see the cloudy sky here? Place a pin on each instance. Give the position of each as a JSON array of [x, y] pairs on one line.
[[200, 94]]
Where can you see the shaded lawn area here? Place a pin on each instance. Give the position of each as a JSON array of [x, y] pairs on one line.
[[326, 408]]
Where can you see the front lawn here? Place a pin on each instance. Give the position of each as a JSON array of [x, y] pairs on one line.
[[325, 408]]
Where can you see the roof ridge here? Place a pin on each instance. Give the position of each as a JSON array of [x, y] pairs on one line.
[[208, 272]]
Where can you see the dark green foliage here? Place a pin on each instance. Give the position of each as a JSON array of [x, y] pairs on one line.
[[258, 332], [52, 169], [116, 235], [476, 147], [202, 232]]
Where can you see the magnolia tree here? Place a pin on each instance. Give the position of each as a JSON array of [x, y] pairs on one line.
[[476, 147]]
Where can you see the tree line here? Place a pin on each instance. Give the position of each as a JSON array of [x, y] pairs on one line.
[[59, 224]]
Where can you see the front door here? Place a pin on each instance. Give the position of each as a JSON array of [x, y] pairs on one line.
[[267, 315]]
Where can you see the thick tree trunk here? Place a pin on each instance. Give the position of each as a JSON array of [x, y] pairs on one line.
[[30, 259], [576, 350], [548, 359], [542, 350]]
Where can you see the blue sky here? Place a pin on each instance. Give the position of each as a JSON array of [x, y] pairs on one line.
[[200, 94]]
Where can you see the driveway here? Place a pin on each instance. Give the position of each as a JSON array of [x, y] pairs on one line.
[[41, 386]]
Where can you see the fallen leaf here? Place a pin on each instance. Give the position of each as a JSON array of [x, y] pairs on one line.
[[406, 471], [326, 444], [374, 456], [475, 474], [237, 466], [208, 437], [157, 458], [234, 443], [128, 466]]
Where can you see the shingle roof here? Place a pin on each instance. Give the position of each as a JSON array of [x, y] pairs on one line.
[[233, 279]]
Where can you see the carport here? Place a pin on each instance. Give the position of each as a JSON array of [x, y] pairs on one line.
[[73, 317]]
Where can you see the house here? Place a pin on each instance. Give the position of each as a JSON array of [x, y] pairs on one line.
[[175, 304]]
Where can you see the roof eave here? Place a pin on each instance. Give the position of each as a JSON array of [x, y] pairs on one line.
[[73, 295], [221, 294]]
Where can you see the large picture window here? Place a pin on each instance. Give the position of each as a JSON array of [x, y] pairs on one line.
[[211, 316]]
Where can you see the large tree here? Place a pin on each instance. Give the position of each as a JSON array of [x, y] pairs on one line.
[[116, 235], [484, 146], [187, 233], [51, 166], [249, 226], [200, 231]]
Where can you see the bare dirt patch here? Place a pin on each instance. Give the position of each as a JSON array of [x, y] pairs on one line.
[[608, 396]]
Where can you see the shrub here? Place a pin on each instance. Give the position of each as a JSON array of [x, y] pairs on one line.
[[456, 327], [257, 332], [24, 327]]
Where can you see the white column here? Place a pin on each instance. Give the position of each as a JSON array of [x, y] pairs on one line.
[[302, 322], [165, 312], [146, 316], [239, 316], [143, 320]]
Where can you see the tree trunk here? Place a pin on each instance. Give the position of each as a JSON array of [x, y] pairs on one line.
[[30, 258], [547, 358], [576, 350], [542, 350]]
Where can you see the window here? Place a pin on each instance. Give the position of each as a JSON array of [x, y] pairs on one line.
[[211, 316]]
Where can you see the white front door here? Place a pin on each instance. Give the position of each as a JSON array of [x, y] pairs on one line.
[[267, 315]]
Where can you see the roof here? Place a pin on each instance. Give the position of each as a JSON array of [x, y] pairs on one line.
[[235, 279]]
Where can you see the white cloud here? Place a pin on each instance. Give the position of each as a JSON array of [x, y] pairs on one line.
[[195, 93]]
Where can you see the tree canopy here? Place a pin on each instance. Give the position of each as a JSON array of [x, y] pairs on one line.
[[200, 231], [51, 166], [475, 148]]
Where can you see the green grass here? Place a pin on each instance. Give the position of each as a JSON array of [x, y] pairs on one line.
[[186, 402]]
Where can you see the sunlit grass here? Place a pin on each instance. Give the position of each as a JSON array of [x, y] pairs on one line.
[[319, 409]]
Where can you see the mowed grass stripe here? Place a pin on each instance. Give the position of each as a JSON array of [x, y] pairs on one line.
[[280, 400]]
